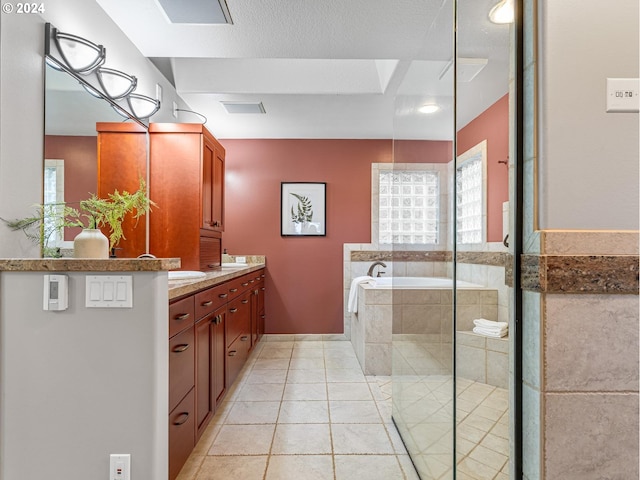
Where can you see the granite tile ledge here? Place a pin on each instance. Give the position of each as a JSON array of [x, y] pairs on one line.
[[600, 274], [88, 264]]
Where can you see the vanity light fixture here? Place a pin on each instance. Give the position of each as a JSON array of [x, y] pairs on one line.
[[116, 84], [142, 106], [79, 54], [429, 108], [502, 12]]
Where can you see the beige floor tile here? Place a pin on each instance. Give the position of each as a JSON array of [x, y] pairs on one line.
[[275, 353], [371, 467], [354, 411], [266, 376], [306, 411], [191, 467], [305, 391], [253, 413], [233, 440], [488, 457], [307, 376], [349, 375], [271, 364], [407, 468], [260, 392], [306, 363], [240, 467], [496, 443], [476, 470], [307, 353], [308, 344], [299, 467], [349, 391], [360, 439], [345, 362], [298, 439]]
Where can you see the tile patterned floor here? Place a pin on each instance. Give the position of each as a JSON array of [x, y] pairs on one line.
[[304, 410]]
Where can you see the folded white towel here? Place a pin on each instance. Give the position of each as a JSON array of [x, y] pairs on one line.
[[352, 305], [487, 332], [484, 323]]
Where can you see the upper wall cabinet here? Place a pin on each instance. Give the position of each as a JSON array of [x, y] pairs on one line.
[[186, 181]]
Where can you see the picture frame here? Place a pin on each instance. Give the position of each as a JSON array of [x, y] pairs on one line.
[[303, 209]]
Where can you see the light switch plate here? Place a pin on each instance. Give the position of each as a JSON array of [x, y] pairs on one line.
[[623, 95], [109, 291]]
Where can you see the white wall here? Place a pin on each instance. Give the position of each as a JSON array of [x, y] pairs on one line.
[[22, 105], [588, 159], [81, 384]]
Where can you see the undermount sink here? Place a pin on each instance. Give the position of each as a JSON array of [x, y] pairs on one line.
[[185, 275]]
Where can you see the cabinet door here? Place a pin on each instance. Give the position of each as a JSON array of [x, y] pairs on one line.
[[217, 200], [219, 354], [205, 404], [181, 366], [181, 434]]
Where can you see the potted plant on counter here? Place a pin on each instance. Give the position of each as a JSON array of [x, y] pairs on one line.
[[93, 214]]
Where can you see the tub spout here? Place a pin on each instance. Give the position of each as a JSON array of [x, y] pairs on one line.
[[373, 266]]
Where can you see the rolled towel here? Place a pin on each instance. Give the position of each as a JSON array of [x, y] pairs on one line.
[[352, 305], [489, 332], [484, 323]]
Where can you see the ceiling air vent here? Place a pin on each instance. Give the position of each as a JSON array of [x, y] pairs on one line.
[[196, 11], [244, 107]]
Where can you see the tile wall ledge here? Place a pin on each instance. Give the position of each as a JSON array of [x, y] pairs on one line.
[[500, 259], [595, 274], [590, 242], [88, 264]]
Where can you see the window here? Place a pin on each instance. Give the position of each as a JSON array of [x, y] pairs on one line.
[[470, 195], [409, 202], [53, 194]]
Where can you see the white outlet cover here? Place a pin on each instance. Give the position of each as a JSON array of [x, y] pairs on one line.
[[623, 95]]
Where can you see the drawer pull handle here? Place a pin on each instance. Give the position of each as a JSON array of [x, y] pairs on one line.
[[263, 289], [180, 348], [244, 302], [244, 338], [245, 284], [182, 316], [233, 310], [262, 316], [217, 320], [182, 419], [223, 295], [255, 292], [232, 353], [251, 281], [207, 303], [233, 290]]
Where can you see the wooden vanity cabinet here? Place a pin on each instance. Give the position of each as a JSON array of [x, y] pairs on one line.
[[186, 181]]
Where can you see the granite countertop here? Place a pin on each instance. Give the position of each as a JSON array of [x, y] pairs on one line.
[[178, 288], [88, 264]]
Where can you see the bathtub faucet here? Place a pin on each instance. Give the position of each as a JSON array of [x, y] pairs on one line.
[[374, 265]]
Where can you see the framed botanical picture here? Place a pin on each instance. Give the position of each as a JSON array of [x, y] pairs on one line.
[[303, 209]]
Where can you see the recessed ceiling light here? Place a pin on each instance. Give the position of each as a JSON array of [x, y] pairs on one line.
[[502, 12], [429, 108], [244, 107]]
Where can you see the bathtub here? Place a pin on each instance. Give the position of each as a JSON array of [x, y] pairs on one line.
[[419, 282]]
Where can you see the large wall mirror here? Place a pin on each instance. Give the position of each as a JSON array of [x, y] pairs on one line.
[[70, 141]]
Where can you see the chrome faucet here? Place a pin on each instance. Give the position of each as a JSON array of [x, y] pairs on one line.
[[374, 265]]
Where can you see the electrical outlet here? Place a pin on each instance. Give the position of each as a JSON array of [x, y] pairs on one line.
[[241, 259], [120, 466]]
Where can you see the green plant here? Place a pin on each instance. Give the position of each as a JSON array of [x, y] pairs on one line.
[[304, 212], [94, 212]]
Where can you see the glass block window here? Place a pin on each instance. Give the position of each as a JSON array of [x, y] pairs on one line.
[[469, 200], [408, 209]]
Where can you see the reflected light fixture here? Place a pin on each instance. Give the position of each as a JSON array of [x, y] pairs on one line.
[[429, 108], [116, 84], [142, 106], [502, 12], [80, 55]]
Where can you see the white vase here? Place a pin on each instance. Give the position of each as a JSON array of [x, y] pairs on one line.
[[91, 243]]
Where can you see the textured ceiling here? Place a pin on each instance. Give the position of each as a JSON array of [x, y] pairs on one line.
[[325, 68]]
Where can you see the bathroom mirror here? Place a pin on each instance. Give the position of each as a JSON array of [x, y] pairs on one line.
[[70, 140]]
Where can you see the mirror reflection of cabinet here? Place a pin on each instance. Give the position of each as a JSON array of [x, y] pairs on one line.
[[186, 170]]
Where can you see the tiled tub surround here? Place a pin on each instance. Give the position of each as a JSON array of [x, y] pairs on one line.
[[486, 264], [427, 312]]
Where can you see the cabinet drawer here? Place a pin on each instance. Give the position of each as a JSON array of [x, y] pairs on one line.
[[181, 315], [182, 436], [181, 365], [211, 299], [238, 317], [237, 354]]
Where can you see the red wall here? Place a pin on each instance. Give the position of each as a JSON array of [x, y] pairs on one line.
[[80, 167], [492, 125]]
